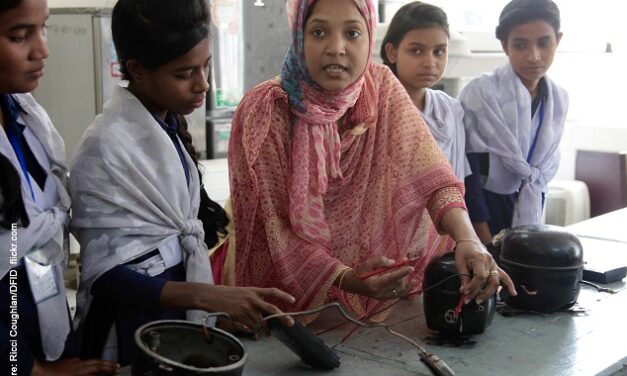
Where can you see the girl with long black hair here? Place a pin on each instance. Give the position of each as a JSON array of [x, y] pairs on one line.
[[142, 218]]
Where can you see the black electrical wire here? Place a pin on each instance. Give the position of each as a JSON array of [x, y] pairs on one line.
[[399, 300], [435, 364], [418, 292]]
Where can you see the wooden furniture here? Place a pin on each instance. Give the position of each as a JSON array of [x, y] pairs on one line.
[[605, 174]]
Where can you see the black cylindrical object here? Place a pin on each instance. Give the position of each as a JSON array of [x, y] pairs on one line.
[[440, 301], [177, 347], [546, 265]]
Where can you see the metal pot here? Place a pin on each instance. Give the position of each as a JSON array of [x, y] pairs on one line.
[[440, 299], [546, 265], [181, 348]]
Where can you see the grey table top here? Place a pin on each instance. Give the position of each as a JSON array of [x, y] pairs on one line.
[[589, 343], [610, 226], [592, 342]]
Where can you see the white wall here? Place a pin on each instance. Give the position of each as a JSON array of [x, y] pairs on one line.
[[596, 84], [81, 3]]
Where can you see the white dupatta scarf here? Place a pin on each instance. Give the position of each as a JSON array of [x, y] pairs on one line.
[[43, 241], [498, 121], [129, 194], [445, 117]]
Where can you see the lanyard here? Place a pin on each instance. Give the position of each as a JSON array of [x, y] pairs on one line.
[[170, 129], [17, 147], [535, 138]]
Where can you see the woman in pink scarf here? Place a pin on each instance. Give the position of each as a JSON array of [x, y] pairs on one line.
[[331, 170]]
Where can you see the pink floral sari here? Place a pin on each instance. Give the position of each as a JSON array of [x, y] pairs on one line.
[[311, 198]]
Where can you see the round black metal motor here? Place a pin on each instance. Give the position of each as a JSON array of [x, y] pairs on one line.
[[181, 348], [546, 265], [440, 301]]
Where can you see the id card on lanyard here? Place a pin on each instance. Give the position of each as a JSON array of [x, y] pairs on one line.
[[43, 280], [534, 143]]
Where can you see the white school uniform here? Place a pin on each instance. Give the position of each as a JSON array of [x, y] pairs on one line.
[[498, 121], [41, 245], [129, 198], [445, 117]]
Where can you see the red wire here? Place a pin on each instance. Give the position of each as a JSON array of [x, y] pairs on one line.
[[460, 305], [365, 276], [384, 269], [458, 310]]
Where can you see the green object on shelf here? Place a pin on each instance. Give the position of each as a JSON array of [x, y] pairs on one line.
[[225, 98]]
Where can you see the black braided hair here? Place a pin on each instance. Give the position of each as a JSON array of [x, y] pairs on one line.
[[155, 32], [212, 215], [12, 210]]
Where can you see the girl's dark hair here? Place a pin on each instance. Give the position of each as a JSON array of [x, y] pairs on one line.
[[155, 32], [8, 4], [518, 12], [12, 208], [416, 15]]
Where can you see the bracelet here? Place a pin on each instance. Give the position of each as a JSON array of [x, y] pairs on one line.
[[344, 272], [476, 241]]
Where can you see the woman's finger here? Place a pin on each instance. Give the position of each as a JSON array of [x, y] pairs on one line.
[[507, 282], [404, 287], [464, 279], [396, 292], [411, 287], [480, 274], [391, 285], [392, 278], [373, 263], [490, 288]]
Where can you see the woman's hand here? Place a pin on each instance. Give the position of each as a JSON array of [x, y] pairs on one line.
[[75, 367], [246, 305], [472, 258], [391, 284]]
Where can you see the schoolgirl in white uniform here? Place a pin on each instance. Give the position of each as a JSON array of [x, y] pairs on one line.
[[514, 120], [415, 47], [36, 336], [140, 213]]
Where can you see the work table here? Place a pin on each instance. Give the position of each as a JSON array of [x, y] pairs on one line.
[[590, 341]]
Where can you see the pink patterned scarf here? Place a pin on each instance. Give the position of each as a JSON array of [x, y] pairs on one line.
[[316, 143]]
